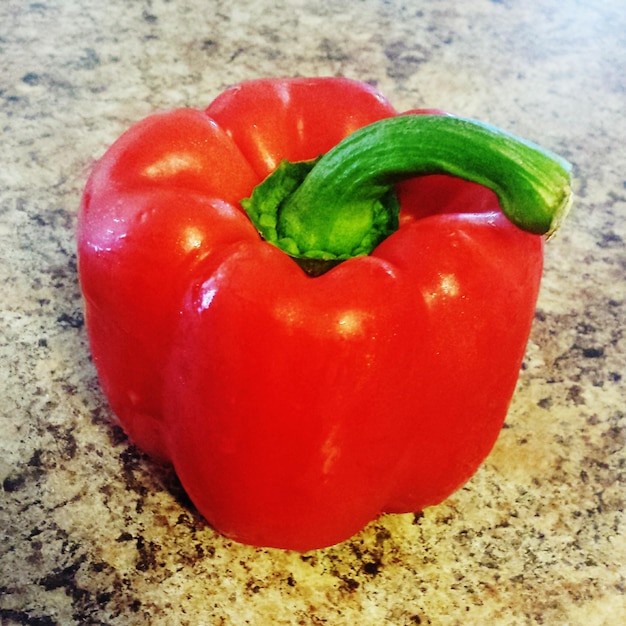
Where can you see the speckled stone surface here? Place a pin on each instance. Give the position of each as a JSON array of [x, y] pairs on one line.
[[91, 532]]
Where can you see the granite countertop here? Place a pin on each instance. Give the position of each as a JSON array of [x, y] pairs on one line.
[[92, 532]]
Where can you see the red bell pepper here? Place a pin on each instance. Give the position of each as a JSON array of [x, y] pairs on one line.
[[295, 405]]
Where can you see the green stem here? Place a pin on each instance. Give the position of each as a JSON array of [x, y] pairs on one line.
[[344, 204]]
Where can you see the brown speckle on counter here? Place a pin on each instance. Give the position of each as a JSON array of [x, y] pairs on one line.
[[94, 532]]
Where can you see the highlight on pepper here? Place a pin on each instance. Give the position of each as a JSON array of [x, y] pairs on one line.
[[314, 307]]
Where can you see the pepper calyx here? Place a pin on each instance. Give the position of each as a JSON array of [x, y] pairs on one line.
[[354, 229]]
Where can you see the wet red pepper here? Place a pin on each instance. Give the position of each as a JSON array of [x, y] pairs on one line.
[[297, 408]]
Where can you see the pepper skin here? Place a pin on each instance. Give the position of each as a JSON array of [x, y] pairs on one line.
[[296, 409]]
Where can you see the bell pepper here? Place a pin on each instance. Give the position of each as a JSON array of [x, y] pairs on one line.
[[314, 307]]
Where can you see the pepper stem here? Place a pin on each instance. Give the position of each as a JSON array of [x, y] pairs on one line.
[[344, 204]]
